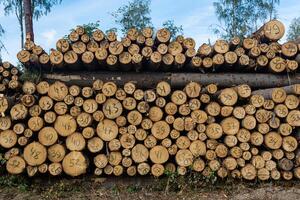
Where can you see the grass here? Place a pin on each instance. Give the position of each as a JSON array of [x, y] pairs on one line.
[[171, 183], [19, 182], [32, 75]]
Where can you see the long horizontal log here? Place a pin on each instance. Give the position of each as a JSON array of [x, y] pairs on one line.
[[267, 93], [148, 80]]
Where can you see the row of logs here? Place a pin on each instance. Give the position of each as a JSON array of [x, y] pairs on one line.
[[9, 78], [146, 51], [109, 130]]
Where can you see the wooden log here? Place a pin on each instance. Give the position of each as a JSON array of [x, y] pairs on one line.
[[35, 154], [178, 80], [15, 165], [221, 46], [163, 35], [62, 45], [271, 31], [74, 163]]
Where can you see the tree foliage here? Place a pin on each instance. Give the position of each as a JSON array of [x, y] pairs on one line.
[[137, 14], [39, 8], [43, 7], [242, 17], [111, 30], [294, 29], [175, 30], [134, 14], [1, 43], [90, 27]]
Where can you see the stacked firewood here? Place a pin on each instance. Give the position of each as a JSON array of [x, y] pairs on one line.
[[146, 51], [9, 78], [109, 130]]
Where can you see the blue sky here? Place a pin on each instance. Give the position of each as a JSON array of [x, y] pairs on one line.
[[196, 17]]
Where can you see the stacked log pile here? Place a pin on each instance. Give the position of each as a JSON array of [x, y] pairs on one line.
[[9, 78], [107, 129], [149, 51]]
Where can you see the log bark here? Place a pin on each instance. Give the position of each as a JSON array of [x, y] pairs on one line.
[[178, 80], [28, 20]]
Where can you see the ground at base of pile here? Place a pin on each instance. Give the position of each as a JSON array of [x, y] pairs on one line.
[[143, 188]]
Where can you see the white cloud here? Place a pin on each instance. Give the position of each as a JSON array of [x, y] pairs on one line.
[[49, 36]]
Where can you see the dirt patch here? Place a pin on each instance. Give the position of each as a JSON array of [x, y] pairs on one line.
[[143, 188]]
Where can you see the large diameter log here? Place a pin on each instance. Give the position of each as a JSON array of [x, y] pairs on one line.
[[178, 80], [272, 31]]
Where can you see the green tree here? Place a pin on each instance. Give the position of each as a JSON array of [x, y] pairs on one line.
[[270, 6], [175, 30], [294, 29], [111, 30], [1, 43], [38, 8], [242, 17], [134, 14], [137, 14]]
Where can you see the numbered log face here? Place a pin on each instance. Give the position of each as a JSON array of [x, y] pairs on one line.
[[178, 97], [230, 125], [277, 64], [293, 118], [160, 130], [15, 165], [273, 140], [274, 30], [228, 97], [159, 154], [163, 89], [35, 123], [221, 46], [139, 153], [55, 169], [5, 123], [184, 158], [112, 108], [75, 142], [18, 112], [107, 130], [65, 125], [84, 119], [289, 144], [35, 154], [214, 131], [8, 138], [109, 89], [56, 153], [192, 89], [23, 56], [3, 104], [249, 172], [58, 91], [74, 163], [47, 136], [100, 161], [198, 148]]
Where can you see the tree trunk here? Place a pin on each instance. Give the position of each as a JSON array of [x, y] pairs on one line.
[[28, 20], [19, 13], [257, 80], [22, 33]]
